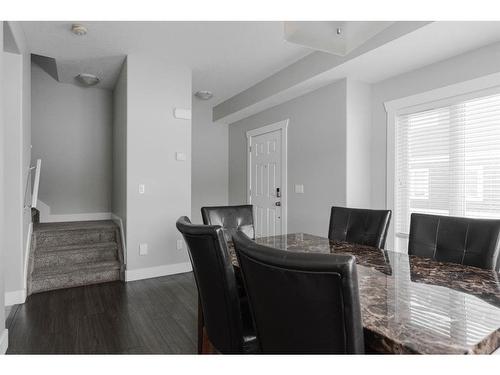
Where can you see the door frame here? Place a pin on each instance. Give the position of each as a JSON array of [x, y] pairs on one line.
[[283, 126]]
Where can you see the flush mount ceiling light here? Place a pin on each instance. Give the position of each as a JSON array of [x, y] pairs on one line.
[[204, 95], [78, 29], [335, 37], [87, 80]]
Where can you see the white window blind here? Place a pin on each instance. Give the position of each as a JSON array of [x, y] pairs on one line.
[[448, 161]]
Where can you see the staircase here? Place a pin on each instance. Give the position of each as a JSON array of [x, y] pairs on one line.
[[70, 254]]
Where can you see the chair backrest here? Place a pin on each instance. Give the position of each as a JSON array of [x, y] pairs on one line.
[[231, 219], [215, 279], [472, 242], [301, 302], [361, 226]]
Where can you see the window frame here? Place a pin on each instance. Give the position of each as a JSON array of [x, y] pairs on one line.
[[444, 96]]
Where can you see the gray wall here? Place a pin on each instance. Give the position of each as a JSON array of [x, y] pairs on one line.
[[358, 144], [71, 133], [13, 185], [154, 89], [210, 156], [2, 208], [24, 52], [461, 68], [316, 155], [26, 144], [17, 89], [119, 189]]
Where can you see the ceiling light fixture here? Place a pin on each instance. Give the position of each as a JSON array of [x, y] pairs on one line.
[[204, 95], [78, 29], [87, 79], [336, 37]]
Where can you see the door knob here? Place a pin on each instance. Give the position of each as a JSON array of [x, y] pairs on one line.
[[277, 204]]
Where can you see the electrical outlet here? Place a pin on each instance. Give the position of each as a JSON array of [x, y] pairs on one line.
[[180, 244], [143, 249], [299, 189]]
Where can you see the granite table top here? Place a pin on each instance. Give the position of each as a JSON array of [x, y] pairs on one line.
[[411, 304]]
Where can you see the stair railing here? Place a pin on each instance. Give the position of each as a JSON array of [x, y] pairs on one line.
[[36, 184]]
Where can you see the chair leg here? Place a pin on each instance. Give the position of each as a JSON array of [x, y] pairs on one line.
[[207, 347], [204, 344], [201, 328]]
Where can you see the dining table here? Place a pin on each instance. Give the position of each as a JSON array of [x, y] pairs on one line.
[[410, 304]]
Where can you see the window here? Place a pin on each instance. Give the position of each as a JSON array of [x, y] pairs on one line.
[[419, 180], [447, 160]]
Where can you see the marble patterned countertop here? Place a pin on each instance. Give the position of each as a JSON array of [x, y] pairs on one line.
[[415, 305]]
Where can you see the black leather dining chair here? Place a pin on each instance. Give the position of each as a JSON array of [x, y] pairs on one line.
[[360, 226], [467, 241], [231, 219], [229, 327], [301, 302]]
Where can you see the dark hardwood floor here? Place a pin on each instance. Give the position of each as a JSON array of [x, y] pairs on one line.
[[154, 316]]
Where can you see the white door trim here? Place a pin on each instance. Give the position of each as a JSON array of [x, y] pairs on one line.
[[283, 126]]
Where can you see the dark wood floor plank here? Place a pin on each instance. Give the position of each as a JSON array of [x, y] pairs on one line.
[[155, 316], [10, 317], [175, 335]]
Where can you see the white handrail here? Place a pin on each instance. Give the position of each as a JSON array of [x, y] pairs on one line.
[[28, 179], [36, 183]]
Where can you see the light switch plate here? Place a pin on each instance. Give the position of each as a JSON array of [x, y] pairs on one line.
[[142, 189], [183, 114], [180, 156], [299, 189], [180, 244], [143, 249]]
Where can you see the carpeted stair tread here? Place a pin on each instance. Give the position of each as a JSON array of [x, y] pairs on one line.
[[82, 267], [78, 235], [75, 225], [76, 278], [59, 232], [48, 250], [76, 255]]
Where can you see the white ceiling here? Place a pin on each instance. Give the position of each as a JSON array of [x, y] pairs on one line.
[[431, 43], [229, 57], [226, 57]]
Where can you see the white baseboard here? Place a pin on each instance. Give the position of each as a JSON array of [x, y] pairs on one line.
[[148, 273], [4, 341], [27, 255], [117, 219], [15, 298], [46, 216]]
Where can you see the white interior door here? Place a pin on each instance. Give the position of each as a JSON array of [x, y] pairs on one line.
[[267, 180]]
